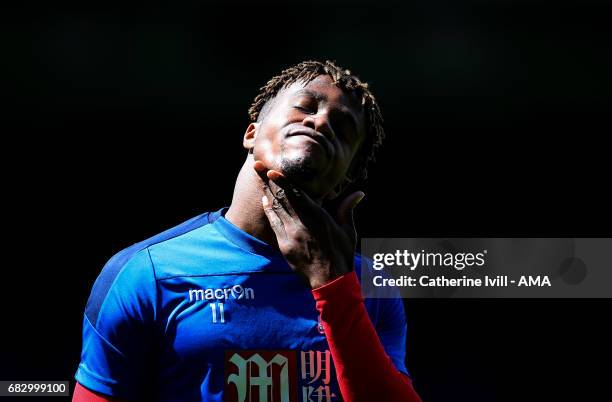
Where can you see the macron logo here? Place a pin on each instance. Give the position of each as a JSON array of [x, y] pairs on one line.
[[236, 292]]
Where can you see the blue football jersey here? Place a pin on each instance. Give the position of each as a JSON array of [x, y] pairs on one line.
[[207, 312]]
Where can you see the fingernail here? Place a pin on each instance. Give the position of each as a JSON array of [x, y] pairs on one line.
[[359, 200], [264, 200]]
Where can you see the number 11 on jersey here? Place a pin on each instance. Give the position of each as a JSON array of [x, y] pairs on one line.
[[213, 307]]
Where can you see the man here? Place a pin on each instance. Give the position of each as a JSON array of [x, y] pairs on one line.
[[258, 301]]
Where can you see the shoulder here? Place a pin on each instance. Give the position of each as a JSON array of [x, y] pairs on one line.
[[130, 274]]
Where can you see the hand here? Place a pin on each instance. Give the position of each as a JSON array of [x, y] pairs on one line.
[[314, 244]]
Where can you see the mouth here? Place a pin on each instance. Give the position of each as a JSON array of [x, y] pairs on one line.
[[318, 138]]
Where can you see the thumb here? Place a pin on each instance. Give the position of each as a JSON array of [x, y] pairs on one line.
[[345, 211]]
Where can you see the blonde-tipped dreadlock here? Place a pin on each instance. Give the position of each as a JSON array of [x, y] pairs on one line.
[[307, 71]]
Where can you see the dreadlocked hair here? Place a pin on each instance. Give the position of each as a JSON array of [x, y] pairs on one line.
[[307, 71]]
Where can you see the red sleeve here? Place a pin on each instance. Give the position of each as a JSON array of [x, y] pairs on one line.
[[364, 371], [82, 394]]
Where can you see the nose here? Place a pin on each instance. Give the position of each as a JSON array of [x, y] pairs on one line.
[[320, 123]]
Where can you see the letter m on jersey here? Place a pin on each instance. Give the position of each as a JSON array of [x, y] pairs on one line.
[[260, 376]]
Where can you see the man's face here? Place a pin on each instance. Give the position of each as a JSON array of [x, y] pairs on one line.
[[311, 134]]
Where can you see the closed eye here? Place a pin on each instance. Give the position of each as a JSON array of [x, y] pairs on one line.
[[304, 109]]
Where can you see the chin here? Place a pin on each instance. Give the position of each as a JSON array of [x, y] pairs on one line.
[[300, 169], [303, 173]]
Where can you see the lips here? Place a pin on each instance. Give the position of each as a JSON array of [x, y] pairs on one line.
[[319, 138]]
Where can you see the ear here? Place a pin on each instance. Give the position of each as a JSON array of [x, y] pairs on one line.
[[248, 141]]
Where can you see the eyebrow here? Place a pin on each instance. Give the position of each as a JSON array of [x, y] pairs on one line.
[[346, 113], [317, 95]]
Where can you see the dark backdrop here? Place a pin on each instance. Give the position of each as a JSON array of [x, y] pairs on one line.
[[122, 120]]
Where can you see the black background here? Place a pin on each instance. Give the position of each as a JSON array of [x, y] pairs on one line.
[[123, 120]]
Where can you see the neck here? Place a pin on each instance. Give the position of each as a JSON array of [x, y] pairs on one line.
[[246, 211]]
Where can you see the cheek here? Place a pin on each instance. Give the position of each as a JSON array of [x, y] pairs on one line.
[[354, 153], [344, 159], [343, 163], [267, 147]]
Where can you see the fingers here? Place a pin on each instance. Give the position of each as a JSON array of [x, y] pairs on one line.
[[275, 221], [278, 209], [297, 199], [289, 196], [270, 187], [285, 193], [261, 170], [345, 213], [278, 178], [291, 205], [345, 210]]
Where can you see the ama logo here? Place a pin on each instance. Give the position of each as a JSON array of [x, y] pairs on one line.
[[534, 281]]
